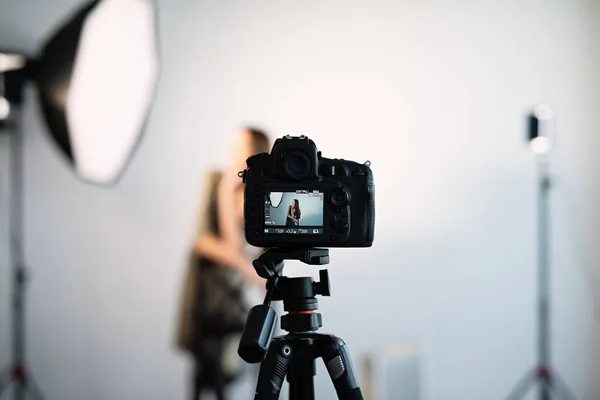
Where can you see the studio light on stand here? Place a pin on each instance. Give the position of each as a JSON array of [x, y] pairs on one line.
[[95, 79], [541, 136]]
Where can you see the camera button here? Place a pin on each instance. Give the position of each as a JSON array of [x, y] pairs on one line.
[[340, 224], [339, 198], [341, 170]]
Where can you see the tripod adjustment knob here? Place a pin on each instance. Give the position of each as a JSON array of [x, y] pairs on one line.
[[322, 287]]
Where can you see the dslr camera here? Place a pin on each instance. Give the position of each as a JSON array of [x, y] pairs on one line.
[[294, 197]]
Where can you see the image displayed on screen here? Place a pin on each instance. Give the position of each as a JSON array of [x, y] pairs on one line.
[[299, 212]]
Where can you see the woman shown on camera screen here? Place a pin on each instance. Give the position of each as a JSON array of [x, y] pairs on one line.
[[294, 214]]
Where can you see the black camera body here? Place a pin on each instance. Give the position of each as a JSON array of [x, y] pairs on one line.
[[294, 197]]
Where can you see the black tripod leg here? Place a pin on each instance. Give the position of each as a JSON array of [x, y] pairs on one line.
[[273, 370], [547, 391], [339, 365], [522, 387]]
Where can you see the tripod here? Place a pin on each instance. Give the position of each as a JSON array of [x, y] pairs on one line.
[[551, 384], [17, 373], [294, 355]]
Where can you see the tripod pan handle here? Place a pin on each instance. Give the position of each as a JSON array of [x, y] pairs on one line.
[[257, 334]]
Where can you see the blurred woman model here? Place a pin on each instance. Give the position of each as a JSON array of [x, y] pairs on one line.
[[214, 308]]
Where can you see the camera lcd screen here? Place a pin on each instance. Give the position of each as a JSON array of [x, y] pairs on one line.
[[296, 213]]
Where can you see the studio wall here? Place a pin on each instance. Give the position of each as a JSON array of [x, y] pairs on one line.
[[434, 94]]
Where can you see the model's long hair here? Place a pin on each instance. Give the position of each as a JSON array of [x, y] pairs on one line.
[[297, 212]]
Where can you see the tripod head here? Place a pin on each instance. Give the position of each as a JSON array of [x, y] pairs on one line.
[[297, 294]]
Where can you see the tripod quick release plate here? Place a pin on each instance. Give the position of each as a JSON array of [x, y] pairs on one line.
[[270, 263]]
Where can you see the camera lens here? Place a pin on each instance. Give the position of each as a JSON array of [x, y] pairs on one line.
[[339, 198], [296, 165]]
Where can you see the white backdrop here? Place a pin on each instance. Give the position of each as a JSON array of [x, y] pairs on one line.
[[433, 94]]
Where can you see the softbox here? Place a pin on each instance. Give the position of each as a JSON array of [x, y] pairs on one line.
[[96, 78]]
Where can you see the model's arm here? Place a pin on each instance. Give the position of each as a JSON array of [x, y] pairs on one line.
[[216, 249], [221, 248]]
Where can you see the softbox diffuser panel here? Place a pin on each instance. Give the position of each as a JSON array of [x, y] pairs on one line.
[[97, 101]]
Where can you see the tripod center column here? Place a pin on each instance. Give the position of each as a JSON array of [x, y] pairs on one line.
[[300, 376]]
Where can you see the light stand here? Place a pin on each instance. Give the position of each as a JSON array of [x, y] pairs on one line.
[[95, 78], [18, 373], [551, 385]]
